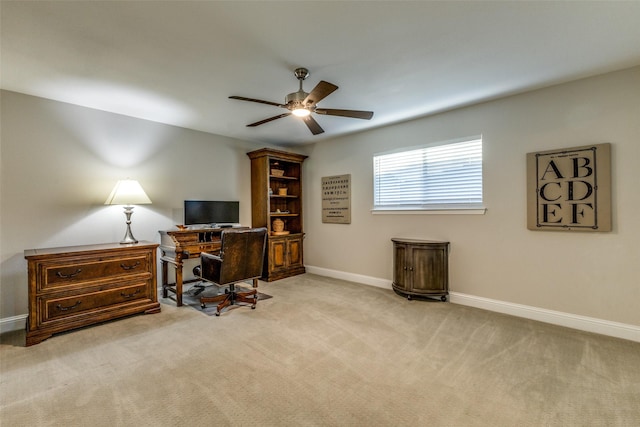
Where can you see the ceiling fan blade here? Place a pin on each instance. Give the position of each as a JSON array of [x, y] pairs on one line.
[[242, 98], [321, 91], [261, 122], [313, 126], [355, 114]]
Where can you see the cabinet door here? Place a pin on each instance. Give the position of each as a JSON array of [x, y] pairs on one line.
[[429, 269], [400, 266], [277, 254], [294, 252]]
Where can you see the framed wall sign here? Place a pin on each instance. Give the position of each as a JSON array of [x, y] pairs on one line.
[[570, 189], [336, 199]]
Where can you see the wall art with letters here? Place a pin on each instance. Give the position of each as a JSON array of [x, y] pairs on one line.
[[569, 189]]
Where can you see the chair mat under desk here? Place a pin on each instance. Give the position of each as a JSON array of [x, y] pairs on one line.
[[191, 296]]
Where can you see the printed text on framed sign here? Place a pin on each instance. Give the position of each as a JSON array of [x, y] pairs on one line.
[[336, 199]]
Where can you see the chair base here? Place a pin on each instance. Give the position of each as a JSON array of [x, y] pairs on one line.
[[232, 298]]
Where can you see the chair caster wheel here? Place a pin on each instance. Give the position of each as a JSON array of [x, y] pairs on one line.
[[203, 306], [443, 298], [253, 307], [218, 313]]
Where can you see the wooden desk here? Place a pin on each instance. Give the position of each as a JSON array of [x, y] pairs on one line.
[[179, 245]]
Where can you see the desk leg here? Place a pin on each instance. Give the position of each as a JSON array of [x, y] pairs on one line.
[[165, 279], [179, 283]]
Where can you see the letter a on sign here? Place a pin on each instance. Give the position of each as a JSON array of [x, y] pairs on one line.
[[570, 189]]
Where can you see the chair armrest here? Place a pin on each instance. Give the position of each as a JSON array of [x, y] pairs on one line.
[[210, 256]]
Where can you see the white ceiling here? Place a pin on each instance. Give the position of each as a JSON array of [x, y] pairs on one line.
[[177, 62]]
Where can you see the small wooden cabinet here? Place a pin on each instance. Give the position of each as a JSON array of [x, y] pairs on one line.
[[421, 268], [276, 197], [75, 286]]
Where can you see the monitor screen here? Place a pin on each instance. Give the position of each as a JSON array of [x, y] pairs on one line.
[[211, 212]]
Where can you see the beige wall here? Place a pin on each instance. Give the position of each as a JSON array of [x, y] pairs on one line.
[[60, 162], [494, 255]]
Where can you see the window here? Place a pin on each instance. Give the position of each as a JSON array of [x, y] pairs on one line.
[[435, 177]]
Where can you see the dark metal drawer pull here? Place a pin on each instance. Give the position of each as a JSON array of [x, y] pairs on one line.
[[68, 276], [59, 307], [130, 267], [122, 294]]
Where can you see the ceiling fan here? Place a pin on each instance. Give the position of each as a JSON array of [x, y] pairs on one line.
[[302, 104]]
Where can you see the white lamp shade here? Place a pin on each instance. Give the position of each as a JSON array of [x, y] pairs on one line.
[[128, 192]]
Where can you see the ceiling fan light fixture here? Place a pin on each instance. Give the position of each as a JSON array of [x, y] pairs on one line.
[[301, 112]]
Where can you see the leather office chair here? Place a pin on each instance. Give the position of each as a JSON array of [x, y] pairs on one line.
[[241, 258]]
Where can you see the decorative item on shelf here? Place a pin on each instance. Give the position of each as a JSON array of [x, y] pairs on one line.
[[282, 191], [181, 227], [128, 192], [270, 191], [275, 169], [278, 227]]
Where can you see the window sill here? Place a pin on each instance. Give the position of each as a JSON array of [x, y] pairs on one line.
[[431, 211]]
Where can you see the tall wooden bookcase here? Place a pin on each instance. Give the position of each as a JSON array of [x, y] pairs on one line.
[[276, 195]]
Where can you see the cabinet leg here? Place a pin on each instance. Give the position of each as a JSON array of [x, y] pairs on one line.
[[33, 339]]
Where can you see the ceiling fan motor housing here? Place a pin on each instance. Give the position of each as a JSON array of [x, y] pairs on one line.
[[295, 99]]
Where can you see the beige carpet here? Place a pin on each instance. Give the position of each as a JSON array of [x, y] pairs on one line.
[[321, 352]]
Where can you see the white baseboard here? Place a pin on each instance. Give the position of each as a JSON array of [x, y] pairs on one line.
[[351, 277], [583, 323], [14, 323]]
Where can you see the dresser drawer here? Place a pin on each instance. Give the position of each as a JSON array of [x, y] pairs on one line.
[[53, 307], [63, 273]]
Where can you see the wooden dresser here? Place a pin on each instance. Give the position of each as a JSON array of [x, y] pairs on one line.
[[75, 286]]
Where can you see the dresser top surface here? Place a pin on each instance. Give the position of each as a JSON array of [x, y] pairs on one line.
[[418, 241], [31, 253]]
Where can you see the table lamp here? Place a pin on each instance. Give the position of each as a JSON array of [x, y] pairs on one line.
[[128, 192]]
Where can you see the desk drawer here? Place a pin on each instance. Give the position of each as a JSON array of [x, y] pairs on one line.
[[194, 251], [53, 307], [65, 273], [212, 248]]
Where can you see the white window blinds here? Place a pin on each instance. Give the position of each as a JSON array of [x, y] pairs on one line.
[[435, 177]]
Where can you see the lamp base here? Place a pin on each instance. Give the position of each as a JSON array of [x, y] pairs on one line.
[[128, 236]]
